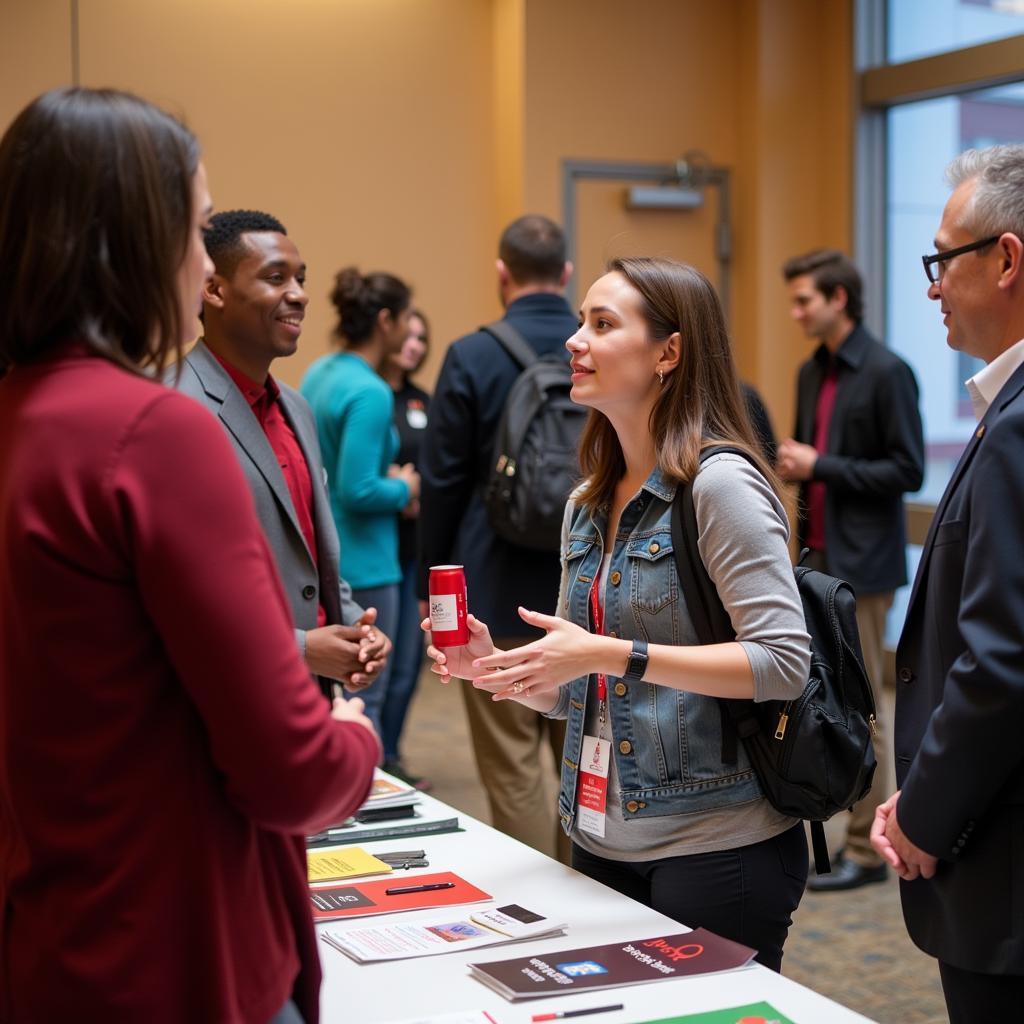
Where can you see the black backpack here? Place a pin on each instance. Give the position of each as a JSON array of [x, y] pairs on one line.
[[813, 756], [535, 463]]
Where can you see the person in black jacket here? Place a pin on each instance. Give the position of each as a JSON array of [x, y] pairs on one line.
[[760, 421], [858, 447], [953, 830], [475, 380]]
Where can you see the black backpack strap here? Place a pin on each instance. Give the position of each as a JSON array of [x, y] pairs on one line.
[[710, 619], [822, 864], [512, 342]]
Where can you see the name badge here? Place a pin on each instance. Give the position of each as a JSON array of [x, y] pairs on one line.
[[593, 785], [416, 417]]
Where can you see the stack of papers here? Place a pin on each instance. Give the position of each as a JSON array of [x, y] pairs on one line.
[[353, 831], [441, 934], [387, 791], [391, 810]]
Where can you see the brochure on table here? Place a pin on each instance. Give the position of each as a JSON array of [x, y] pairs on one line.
[[611, 966], [350, 862], [387, 791], [392, 896], [403, 940], [752, 1013]]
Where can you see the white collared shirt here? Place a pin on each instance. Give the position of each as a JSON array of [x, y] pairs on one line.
[[988, 382]]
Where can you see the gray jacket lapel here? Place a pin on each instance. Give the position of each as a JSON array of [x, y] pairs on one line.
[[240, 421]]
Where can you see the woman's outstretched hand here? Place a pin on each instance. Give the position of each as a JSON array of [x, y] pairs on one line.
[[566, 652], [458, 661]]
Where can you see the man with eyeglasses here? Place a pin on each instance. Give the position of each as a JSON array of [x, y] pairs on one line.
[[858, 446], [954, 830]]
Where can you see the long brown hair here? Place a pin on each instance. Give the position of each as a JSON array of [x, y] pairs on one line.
[[700, 403], [95, 213]]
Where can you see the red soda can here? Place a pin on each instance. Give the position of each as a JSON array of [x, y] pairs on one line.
[[447, 599]]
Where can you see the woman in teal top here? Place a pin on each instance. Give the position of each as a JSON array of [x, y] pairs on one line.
[[354, 408]]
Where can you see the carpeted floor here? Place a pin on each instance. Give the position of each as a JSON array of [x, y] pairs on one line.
[[849, 946]]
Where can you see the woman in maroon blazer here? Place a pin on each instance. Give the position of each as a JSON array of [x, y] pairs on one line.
[[162, 747]]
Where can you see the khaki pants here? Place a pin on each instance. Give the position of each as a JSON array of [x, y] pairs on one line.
[[871, 611], [507, 740]]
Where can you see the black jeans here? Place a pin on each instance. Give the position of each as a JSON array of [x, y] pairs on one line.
[[747, 894]]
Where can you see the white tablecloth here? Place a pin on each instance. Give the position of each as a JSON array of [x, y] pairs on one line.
[[513, 873]]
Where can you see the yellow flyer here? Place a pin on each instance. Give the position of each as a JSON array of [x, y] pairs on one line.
[[336, 865]]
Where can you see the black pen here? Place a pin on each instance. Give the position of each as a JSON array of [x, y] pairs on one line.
[[402, 890], [563, 1014]]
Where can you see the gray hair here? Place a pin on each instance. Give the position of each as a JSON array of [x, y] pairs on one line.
[[997, 204]]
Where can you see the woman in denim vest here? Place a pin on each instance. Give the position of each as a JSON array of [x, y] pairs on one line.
[[651, 807]]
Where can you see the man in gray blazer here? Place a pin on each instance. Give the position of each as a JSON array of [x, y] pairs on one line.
[[253, 307]]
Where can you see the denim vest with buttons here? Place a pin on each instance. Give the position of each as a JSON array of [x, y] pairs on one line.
[[668, 743]]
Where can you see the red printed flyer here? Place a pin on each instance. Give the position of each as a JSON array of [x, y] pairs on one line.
[[391, 896]]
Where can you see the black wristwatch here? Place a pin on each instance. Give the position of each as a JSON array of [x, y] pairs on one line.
[[636, 666]]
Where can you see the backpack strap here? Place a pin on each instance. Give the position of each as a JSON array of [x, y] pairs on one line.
[[710, 619], [712, 625], [512, 342], [822, 864]]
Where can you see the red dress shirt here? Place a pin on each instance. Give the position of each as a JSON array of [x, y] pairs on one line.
[[816, 488], [162, 746], [264, 401]]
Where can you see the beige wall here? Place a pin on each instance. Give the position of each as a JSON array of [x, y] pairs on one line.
[[761, 86], [35, 51], [794, 173], [402, 134]]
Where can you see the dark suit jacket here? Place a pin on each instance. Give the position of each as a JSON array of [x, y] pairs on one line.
[[307, 583], [475, 380], [959, 732], [875, 455]]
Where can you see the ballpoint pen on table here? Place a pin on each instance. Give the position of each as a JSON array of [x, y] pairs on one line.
[[401, 890], [564, 1014]]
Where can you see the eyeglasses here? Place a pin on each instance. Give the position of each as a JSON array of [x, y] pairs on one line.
[[934, 264]]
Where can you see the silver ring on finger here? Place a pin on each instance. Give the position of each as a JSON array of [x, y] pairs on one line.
[[517, 686]]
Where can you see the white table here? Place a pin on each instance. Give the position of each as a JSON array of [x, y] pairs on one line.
[[513, 873]]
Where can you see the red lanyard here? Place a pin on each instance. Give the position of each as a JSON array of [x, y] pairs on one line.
[[597, 614]]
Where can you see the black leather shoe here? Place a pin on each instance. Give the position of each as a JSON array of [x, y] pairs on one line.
[[846, 874]]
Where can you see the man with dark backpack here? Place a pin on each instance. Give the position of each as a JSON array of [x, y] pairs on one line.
[[535, 462], [515, 565]]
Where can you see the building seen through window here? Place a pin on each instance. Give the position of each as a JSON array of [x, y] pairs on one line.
[[923, 28]]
